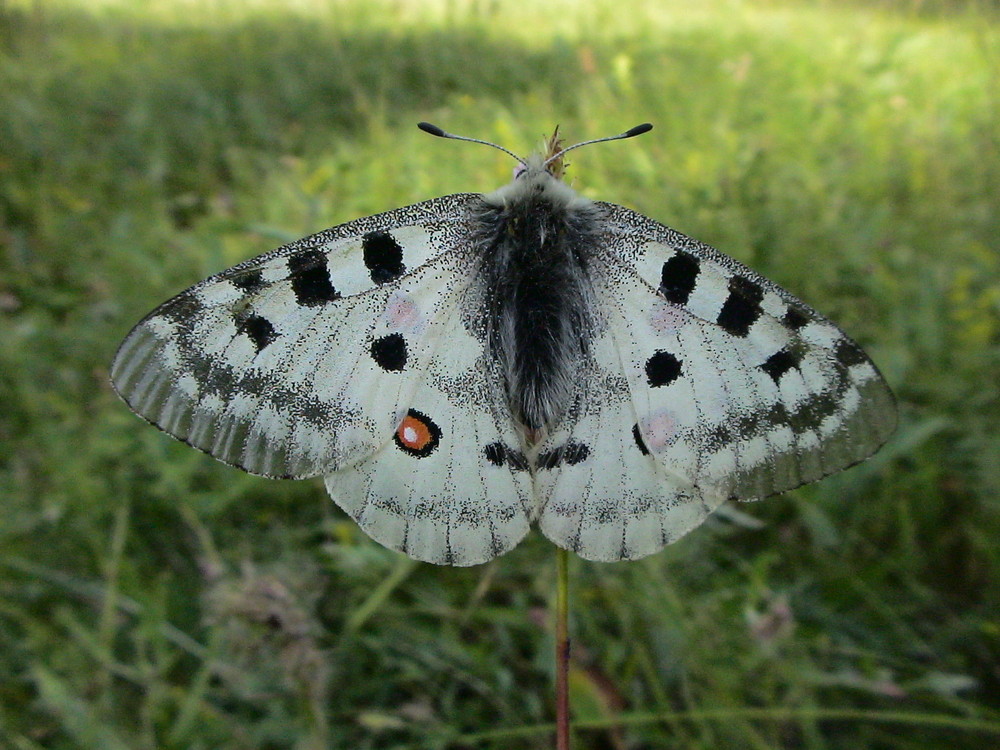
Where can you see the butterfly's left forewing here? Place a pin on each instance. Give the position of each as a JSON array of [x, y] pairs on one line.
[[783, 397]]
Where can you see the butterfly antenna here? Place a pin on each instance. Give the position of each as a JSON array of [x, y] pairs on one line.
[[630, 133], [435, 130]]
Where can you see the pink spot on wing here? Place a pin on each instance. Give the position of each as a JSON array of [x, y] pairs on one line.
[[402, 314], [666, 318], [659, 430]]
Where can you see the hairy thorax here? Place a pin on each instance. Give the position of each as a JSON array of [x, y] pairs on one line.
[[538, 236]]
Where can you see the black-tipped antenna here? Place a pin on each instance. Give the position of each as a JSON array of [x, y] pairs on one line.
[[435, 130], [630, 133]]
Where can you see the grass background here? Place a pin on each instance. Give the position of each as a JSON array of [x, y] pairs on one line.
[[152, 598]]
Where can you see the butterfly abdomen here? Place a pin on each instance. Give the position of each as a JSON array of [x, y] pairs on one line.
[[539, 296]]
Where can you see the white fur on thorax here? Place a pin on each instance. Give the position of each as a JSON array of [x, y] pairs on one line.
[[537, 180]]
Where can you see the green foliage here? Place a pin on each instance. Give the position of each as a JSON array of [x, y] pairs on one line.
[[152, 598]]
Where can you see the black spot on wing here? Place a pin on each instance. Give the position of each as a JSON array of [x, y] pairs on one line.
[[570, 454], [678, 277], [663, 368], [498, 454], [389, 352], [742, 307], [249, 281], [848, 353], [779, 363], [494, 453], [383, 257], [260, 330], [574, 453], [516, 460], [310, 279], [638, 440], [549, 459], [794, 318]]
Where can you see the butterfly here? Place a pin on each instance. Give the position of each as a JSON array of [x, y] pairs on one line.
[[461, 369]]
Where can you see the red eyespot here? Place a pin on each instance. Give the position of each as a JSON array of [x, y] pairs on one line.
[[417, 434]]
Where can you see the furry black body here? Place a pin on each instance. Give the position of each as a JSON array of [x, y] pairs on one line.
[[537, 236]]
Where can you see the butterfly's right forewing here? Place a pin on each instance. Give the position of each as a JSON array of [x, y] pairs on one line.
[[298, 362]]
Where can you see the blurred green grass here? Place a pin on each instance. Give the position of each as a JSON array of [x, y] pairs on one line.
[[152, 598]]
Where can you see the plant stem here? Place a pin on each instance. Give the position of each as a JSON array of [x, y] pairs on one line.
[[562, 649]]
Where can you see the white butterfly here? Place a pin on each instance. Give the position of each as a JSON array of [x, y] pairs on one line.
[[461, 368]]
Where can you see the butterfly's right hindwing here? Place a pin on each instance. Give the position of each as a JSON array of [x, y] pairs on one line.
[[297, 362], [453, 486]]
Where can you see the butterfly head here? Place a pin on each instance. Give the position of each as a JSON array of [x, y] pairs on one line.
[[536, 177]]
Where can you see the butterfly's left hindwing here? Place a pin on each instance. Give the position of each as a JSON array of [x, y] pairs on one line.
[[298, 362], [705, 382]]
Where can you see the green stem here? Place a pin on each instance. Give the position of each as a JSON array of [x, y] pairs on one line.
[[562, 649]]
